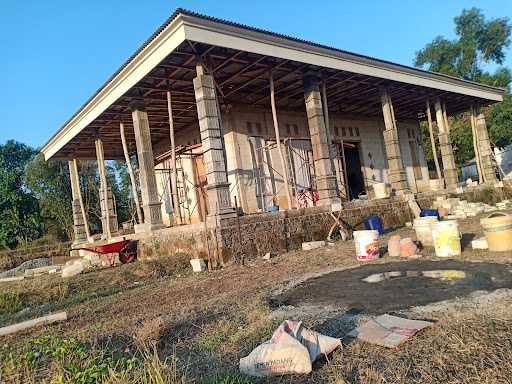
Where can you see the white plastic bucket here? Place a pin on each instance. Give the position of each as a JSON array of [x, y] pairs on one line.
[[422, 227], [381, 190], [446, 238], [367, 244]]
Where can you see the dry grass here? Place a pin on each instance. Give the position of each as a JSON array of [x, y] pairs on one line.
[[183, 328]]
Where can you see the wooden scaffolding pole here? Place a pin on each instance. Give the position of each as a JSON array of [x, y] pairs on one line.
[[74, 164], [132, 175], [174, 175], [104, 187], [279, 145], [475, 145], [433, 142]]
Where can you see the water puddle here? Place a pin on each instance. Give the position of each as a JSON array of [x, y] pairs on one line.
[[442, 274]]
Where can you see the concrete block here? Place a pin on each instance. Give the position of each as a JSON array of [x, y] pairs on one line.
[[480, 243], [198, 265], [308, 246]]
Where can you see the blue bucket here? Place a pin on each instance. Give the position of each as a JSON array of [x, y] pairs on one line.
[[429, 212], [373, 222]]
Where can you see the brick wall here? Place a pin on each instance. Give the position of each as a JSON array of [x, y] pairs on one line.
[[283, 231]]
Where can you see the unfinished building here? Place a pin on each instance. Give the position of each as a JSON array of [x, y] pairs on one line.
[[261, 135]]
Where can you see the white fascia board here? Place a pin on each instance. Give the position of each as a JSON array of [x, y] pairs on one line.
[[157, 50], [208, 32]]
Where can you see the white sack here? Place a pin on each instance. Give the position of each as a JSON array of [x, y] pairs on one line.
[[316, 343], [288, 356]]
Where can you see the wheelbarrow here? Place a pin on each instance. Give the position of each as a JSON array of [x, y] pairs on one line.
[[126, 249]]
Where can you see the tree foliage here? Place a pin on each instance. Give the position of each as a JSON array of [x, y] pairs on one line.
[[36, 200], [50, 183], [479, 44], [20, 220]]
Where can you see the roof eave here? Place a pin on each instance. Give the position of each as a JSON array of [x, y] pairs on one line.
[[152, 53]]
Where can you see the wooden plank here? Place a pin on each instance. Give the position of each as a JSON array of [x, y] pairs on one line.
[[44, 320]]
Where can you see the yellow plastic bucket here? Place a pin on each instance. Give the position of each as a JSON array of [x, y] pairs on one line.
[[498, 231], [446, 238]]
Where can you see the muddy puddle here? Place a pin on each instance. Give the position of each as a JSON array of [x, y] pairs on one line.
[[380, 288]]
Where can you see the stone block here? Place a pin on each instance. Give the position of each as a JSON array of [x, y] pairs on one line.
[[310, 245], [198, 265]]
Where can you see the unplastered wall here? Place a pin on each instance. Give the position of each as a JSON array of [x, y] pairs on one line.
[[245, 130], [247, 127]]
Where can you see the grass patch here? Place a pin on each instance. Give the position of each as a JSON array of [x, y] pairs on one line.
[[10, 302], [68, 360], [228, 378]]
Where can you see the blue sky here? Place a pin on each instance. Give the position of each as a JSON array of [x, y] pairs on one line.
[[56, 53]]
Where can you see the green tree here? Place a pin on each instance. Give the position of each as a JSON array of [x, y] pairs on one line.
[[20, 220], [49, 182], [479, 44]]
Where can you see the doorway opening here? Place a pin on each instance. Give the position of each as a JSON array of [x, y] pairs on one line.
[[349, 159]]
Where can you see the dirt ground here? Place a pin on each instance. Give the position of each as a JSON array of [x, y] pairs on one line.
[[201, 324]]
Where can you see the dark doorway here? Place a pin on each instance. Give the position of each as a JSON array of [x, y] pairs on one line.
[[355, 178]]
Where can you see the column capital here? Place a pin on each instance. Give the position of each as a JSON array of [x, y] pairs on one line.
[[137, 105]]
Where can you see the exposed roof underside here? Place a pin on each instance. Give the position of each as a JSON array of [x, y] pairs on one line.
[[241, 67]]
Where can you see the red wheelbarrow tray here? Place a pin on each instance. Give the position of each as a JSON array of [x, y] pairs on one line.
[[114, 247]]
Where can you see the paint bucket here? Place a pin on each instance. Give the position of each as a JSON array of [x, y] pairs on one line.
[[446, 238], [423, 229], [367, 244], [381, 190], [498, 231], [373, 222]]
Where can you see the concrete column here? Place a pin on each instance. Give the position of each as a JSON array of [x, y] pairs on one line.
[[219, 202], [80, 228], [326, 183], [484, 146], [445, 146], [108, 217], [396, 171], [151, 204]]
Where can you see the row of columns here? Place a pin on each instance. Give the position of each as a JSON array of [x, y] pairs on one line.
[[215, 163]]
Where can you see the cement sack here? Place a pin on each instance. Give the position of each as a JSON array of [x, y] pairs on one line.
[[72, 270], [288, 356], [316, 343]]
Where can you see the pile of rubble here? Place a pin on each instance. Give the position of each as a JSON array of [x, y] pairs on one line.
[[454, 208]]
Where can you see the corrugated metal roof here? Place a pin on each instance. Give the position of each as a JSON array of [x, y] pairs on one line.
[[182, 11]]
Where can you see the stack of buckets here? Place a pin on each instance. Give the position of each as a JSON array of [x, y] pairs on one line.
[[443, 235]]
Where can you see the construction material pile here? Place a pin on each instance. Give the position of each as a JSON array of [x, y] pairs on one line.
[[454, 208]]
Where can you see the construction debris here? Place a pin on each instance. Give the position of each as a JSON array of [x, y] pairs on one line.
[[291, 350], [308, 246], [30, 264], [388, 331], [454, 208], [39, 271], [73, 269], [49, 319]]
